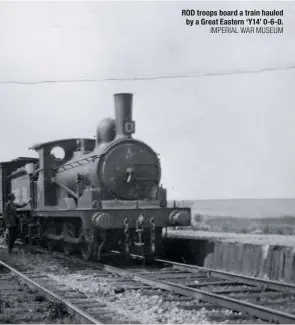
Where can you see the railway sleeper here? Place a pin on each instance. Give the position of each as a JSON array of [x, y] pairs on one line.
[[21, 318], [18, 310], [81, 300], [25, 304], [153, 293], [62, 289], [220, 317], [68, 295], [52, 286], [39, 277], [263, 295], [200, 306], [282, 302], [91, 305], [181, 279], [211, 283], [183, 276], [237, 290], [178, 298], [10, 289]]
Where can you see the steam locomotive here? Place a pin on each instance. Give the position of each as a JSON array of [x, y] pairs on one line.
[[98, 195]]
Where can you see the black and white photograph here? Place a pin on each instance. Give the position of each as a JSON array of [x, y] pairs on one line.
[[147, 162]]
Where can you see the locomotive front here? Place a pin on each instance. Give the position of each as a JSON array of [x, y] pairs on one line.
[[130, 170], [105, 195]]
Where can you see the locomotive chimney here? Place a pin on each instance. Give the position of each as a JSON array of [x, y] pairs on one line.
[[123, 112]]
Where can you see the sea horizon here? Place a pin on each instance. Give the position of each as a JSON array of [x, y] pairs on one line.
[[242, 207]]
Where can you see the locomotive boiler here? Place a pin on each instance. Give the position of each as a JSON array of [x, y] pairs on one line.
[[97, 195], [122, 168]]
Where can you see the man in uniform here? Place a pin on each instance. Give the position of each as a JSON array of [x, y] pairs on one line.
[[10, 219]]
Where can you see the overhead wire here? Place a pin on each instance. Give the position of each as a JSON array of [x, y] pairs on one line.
[[159, 77]]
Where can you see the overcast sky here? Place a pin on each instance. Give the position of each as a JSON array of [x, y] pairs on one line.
[[228, 136]]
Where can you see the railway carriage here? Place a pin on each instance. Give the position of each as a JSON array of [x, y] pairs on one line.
[[97, 195]]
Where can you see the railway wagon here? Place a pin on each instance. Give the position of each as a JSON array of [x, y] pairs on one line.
[[98, 196], [7, 169]]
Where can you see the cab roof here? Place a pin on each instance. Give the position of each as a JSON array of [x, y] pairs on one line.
[[56, 142]]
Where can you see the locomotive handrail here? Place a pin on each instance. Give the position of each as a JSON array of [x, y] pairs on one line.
[[89, 159], [72, 193]]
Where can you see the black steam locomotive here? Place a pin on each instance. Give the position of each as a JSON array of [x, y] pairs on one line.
[[97, 195]]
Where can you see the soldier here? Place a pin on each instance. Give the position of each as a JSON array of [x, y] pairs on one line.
[[10, 219]]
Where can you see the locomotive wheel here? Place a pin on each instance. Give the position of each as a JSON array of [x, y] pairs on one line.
[[86, 250]]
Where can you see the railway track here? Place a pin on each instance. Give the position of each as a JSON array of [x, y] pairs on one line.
[[267, 300], [194, 287], [74, 302], [250, 297], [271, 301]]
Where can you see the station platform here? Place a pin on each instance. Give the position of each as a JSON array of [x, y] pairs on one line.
[[265, 255]]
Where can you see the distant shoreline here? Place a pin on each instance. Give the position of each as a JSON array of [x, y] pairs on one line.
[[245, 208]]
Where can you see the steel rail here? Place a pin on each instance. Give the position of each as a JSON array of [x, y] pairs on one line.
[[257, 311], [226, 302], [88, 319], [239, 278]]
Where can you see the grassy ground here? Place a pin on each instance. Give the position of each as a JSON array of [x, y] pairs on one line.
[[284, 225]]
